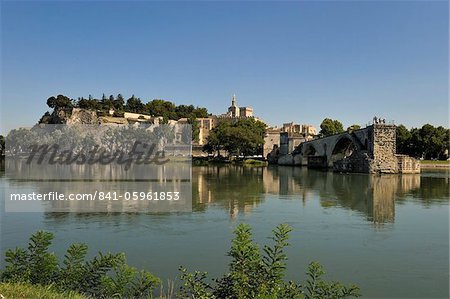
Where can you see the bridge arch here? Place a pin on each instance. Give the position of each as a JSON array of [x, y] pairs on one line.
[[310, 150], [343, 148]]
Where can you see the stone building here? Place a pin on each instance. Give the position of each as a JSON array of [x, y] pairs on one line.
[[306, 131], [294, 134], [246, 112], [235, 112], [271, 140]]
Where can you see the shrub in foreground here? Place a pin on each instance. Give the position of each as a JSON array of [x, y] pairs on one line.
[[106, 275], [260, 274], [27, 291], [253, 273]]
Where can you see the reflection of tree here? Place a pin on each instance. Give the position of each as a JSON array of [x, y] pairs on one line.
[[2, 167], [432, 189], [381, 207], [236, 189]]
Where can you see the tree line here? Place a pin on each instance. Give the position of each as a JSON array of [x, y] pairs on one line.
[[156, 107], [427, 142]]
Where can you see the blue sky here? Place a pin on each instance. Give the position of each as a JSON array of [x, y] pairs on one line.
[[290, 61]]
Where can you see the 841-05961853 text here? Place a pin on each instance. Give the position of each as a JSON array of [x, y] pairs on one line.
[[99, 195]]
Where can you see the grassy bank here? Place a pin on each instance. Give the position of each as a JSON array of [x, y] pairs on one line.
[[205, 161], [435, 164], [25, 291]]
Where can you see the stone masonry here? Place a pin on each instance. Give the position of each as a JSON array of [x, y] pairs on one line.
[[368, 150], [384, 148]]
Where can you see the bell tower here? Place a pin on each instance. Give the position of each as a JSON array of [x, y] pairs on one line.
[[233, 110]]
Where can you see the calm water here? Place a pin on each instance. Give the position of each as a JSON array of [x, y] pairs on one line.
[[388, 234]]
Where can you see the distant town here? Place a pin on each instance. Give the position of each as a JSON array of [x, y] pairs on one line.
[[114, 110], [380, 147]]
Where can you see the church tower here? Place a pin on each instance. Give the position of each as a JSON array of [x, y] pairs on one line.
[[233, 110]]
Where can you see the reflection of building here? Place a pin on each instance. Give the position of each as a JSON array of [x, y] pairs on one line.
[[373, 196], [235, 195], [296, 134], [381, 209]]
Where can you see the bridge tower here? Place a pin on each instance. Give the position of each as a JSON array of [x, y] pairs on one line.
[[383, 149]]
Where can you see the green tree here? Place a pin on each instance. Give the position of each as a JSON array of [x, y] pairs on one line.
[[256, 273], [242, 137], [353, 128], [403, 140], [134, 105], [428, 142], [119, 103], [162, 108], [104, 276], [330, 127], [441, 142], [200, 112], [195, 129], [90, 104], [184, 111], [107, 102], [60, 101]]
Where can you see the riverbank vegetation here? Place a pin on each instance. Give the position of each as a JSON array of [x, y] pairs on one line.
[[156, 107], [26, 291], [243, 137], [253, 272], [427, 142]]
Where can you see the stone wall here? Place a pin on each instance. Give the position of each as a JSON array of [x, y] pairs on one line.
[[384, 147], [407, 164], [358, 162], [284, 143], [374, 151], [271, 139], [83, 116]]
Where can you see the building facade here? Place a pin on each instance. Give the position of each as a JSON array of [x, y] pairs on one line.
[[234, 112]]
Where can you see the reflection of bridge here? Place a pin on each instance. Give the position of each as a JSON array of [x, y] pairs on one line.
[[368, 150], [370, 195]]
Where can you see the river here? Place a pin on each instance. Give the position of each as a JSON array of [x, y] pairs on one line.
[[388, 234]]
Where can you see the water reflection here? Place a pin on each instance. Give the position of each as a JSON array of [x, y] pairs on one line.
[[233, 188], [239, 189]]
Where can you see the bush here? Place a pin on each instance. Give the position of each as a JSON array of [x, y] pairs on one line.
[[106, 275], [253, 273], [256, 274]]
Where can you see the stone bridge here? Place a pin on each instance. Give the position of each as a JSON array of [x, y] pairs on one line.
[[368, 150]]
